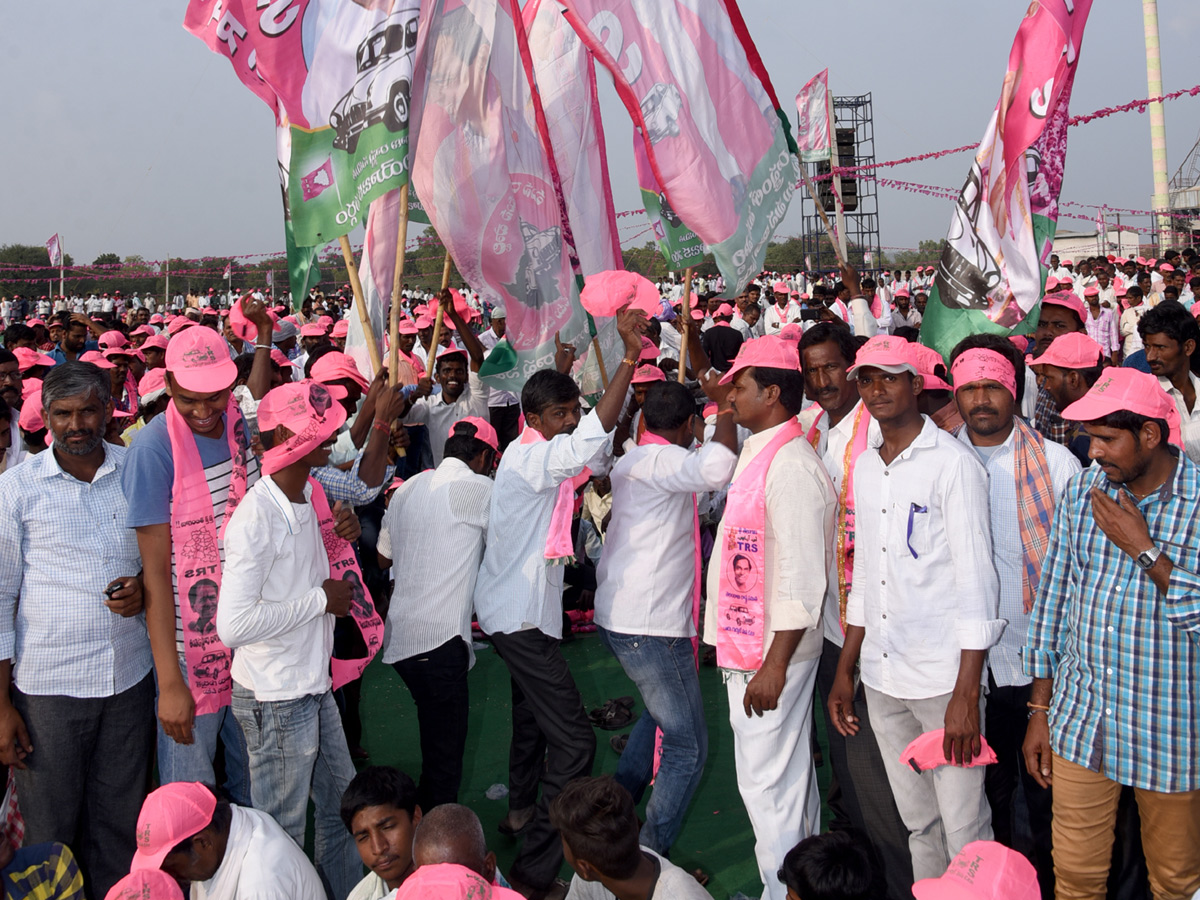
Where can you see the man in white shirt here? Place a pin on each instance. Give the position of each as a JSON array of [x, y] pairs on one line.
[[922, 611], [840, 428], [428, 639], [518, 596], [381, 812], [226, 852], [277, 607], [648, 596], [462, 393], [768, 639], [904, 313], [1026, 476], [504, 407], [601, 843], [782, 311], [1171, 336]]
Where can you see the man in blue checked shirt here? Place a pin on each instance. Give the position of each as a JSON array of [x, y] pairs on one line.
[[1113, 645], [79, 726]]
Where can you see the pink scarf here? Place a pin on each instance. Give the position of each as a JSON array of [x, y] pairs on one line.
[[195, 544], [741, 609], [560, 551], [343, 565]]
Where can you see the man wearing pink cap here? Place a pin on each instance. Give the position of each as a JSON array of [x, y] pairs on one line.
[[1100, 323], [187, 468], [922, 611], [1026, 476], [781, 311], [1112, 645], [1171, 337], [1066, 370], [904, 313], [722, 342], [1061, 313], [288, 574], [429, 618], [518, 595], [766, 584], [225, 851]]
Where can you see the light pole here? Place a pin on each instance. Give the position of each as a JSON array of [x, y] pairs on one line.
[[1158, 128]]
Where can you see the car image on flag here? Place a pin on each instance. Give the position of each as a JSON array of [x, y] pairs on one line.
[[376, 97]]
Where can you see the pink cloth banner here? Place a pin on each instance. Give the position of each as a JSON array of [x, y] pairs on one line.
[[812, 128]]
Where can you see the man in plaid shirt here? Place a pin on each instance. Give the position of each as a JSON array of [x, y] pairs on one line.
[[1113, 645]]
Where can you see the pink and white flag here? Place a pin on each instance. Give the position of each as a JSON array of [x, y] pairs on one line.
[[812, 127], [228, 270], [54, 248]]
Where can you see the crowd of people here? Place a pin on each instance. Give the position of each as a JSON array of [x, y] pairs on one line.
[[212, 520]]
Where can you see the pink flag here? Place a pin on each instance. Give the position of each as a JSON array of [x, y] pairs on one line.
[[812, 128], [318, 180], [692, 81], [482, 173], [54, 248], [228, 270]]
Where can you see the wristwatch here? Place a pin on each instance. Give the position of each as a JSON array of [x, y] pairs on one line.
[[1148, 558]]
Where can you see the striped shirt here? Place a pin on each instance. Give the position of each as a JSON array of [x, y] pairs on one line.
[[1123, 656], [62, 541]]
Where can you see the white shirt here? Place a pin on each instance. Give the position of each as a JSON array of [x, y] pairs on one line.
[[440, 416], [1008, 554], [1189, 420], [922, 598], [669, 343], [438, 512], [516, 588], [801, 510], [773, 318], [646, 577], [673, 883], [831, 447], [261, 862], [272, 604]]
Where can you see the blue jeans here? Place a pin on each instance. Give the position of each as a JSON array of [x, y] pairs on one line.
[[664, 670], [297, 748], [194, 761]]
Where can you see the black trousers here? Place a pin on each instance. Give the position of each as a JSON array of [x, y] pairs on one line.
[[437, 681], [507, 422], [1007, 718], [552, 743], [860, 795], [87, 776]]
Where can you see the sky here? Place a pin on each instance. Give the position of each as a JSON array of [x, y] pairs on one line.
[[125, 134]]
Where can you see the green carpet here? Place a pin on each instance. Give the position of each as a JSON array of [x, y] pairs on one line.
[[716, 835]]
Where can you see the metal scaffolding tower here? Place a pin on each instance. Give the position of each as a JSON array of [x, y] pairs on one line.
[[855, 130]]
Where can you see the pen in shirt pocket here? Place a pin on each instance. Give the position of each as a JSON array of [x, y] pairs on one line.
[[913, 510]]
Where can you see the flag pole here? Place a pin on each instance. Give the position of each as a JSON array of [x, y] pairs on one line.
[[600, 362], [360, 303], [812, 192], [437, 322], [687, 322], [838, 206], [62, 262], [397, 280], [167, 288]]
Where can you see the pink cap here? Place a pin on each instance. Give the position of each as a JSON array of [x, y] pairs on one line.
[[483, 431], [35, 321], [291, 318], [1166, 267], [407, 326], [111, 340], [423, 321], [96, 358], [1125, 389], [724, 310], [325, 321], [710, 409], [1051, 283], [1152, 262], [1120, 292], [341, 328], [335, 366], [1068, 299], [144, 329], [156, 319], [447, 881], [178, 324], [153, 380], [1067, 262], [451, 351], [901, 291], [920, 268], [169, 815], [1091, 291], [928, 360], [30, 418], [156, 341], [209, 311], [145, 884], [697, 314], [649, 350], [312, 330], [770, 352], [983, 870], [27, 359], [780, 287], [792, 331], [280, 359], [648, 374], [926, 752], [1141, 260], [1074, 350], [888, 353], [308, 409], [243, 327], [606, 292], [131, 352], [198, 360], [1120, 260]]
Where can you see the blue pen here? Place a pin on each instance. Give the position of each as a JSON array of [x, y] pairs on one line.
[[913, 509]]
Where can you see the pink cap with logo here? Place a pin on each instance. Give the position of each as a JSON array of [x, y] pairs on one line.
[[724, 310], [178, 324], [96, 358], [407, 326], [928, 360], [1074, 350], [649, 350], [1126, 389], [312, 330], [780, 287], [648, 374], [770, 352], [170, 814], [926, 752], [145, 884], [983, 870], [340, 328], [1070, 300], [111, 340], [155, 342], [198, 360], [336, 366], [483, 431], [309, 410], [792, 331], [887, 353]]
